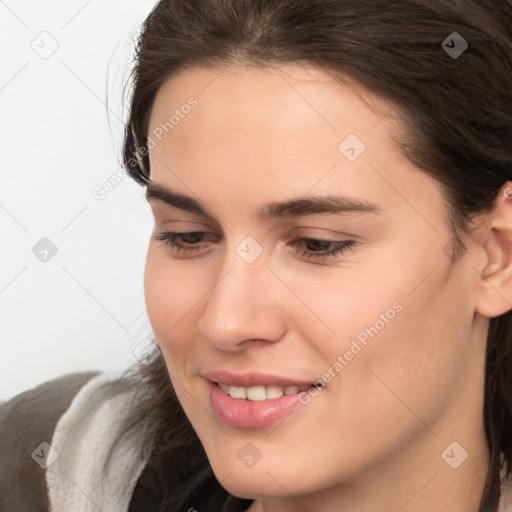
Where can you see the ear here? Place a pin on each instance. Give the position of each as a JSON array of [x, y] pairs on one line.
[[494, 287]]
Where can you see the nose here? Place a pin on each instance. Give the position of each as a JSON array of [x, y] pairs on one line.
[[243, 307]]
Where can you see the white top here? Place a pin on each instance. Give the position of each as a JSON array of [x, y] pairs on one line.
[[82, 439]]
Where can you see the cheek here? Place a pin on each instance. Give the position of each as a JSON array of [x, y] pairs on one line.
[[400, 333], [170, 295], [157, 292], [420, 358]]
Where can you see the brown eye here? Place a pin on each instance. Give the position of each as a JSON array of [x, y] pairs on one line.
[[318, 249], [185, 242]]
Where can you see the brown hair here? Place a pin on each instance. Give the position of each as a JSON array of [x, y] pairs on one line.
[[458, 111]]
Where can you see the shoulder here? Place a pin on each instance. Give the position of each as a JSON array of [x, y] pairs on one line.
[[27, 423], [94, 464], [505, 503]]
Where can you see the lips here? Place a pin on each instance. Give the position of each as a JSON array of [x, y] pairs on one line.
[[247, 380], [258, 393], [253, 400]]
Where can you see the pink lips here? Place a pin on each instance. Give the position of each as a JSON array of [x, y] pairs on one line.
[[246, 413], [253, 379]]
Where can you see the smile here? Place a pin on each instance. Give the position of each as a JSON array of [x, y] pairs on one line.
[[259, 393], [254, 406]]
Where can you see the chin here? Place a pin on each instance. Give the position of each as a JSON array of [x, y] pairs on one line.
[[252, 486], [263, 480]]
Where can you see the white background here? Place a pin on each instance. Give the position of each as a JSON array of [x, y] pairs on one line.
[[84, 308]]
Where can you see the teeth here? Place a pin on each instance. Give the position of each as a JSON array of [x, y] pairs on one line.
[[237, 392], [224, 388], [258, 393], [274, 392]]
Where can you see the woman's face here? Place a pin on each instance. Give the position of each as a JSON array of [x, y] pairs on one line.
[[277, 167]]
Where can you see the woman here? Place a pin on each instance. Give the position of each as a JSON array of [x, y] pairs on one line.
[[329, 280]]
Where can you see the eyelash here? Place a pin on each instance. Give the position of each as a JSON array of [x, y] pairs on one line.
[[340, 246]]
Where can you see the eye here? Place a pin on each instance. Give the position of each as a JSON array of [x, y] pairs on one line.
[[323, 249], [185, 242], [310, 248]]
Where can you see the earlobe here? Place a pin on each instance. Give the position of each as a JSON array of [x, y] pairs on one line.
[[494, 293]]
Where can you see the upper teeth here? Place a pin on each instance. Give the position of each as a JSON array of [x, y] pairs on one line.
[[257, 393]]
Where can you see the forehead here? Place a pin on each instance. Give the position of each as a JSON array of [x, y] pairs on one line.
[[258, 133], [280, 118], [280, 93]]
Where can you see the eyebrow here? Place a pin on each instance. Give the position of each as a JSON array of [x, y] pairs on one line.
[[299, 207]]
